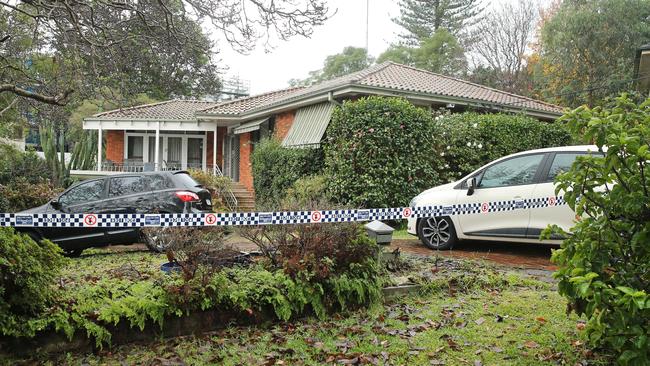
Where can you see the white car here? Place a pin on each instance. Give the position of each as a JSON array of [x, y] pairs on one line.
[[510, 199]]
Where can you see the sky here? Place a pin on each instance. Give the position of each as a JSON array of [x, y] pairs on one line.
[[297, 56], [267, 71]]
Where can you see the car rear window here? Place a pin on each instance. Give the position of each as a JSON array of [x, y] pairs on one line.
[[124, 186], [186, 180], [157, 182]]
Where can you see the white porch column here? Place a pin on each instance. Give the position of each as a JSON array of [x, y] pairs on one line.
[[214, 150], [157, 153], [99, 148]]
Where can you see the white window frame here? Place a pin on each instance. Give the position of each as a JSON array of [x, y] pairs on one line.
[[164, 136]]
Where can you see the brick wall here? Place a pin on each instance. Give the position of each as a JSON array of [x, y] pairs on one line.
[[245, 168], [283, 122], [114, 145]]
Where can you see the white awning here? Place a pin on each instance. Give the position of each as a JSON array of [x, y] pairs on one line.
[[309, 125], [249, 127]]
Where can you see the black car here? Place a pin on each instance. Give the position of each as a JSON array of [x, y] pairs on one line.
[[151, 192]]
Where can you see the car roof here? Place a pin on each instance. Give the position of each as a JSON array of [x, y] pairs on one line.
[[576, 148]]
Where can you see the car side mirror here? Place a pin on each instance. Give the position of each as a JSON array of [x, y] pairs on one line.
[[471, 186], [55, 204]]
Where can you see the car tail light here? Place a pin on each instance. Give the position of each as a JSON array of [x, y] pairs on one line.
[[187, 196]]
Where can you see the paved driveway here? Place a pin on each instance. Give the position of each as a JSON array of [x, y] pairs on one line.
[[535, 256]]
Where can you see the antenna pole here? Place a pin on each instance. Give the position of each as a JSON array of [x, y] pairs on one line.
[[367, 23]]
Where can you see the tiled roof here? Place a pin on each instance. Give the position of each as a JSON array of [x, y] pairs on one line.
[[397, 77], [401, 77], [388, 75], [176, 109], [245, 104]]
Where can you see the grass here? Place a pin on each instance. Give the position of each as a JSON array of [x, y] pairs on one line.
[[488, 317], [128, 262], [402, 234], [516, 326]]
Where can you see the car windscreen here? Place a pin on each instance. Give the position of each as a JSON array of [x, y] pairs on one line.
[[186, 180]]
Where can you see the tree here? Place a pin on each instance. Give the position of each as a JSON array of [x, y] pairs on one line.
[[440, 53], [604, 264], [587, 49], [350, 60], [422, 18], [502, 41], [99, 41]]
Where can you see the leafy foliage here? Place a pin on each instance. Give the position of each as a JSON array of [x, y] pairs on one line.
[[422, 18], [307, 190], [27, 273], [469, 140], [218, 187], [24, 180], [440, 53], [605, 263], [352, 59], [128, 46], [379, 152], [276, 168], [579, 65]]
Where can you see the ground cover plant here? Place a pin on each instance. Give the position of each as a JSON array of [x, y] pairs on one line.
[[483, 316], [137, 293], [605, 263]]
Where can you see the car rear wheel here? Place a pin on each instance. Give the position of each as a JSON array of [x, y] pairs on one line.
[[437, 232], [153, 239]]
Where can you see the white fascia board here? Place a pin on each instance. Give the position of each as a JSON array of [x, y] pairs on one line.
[[148, 124]]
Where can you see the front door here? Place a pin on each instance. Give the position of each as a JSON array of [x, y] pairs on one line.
[[504, 187], [231, 157]]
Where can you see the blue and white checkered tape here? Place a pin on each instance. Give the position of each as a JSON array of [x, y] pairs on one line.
[[270, 218]]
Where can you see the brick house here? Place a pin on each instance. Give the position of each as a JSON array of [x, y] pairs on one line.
[[181, 134]]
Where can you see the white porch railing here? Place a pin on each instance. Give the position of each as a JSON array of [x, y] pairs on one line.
[[137, 166]]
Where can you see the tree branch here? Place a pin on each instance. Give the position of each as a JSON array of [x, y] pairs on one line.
[[60, 99]]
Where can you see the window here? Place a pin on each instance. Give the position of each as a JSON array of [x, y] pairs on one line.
[[186, 180], [194, 153], [157, 182], [561, 164], [84, 192], [512, 172], [123, 186], [134, 147]]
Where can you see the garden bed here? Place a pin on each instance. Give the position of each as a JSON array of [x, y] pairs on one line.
[[463, 312]]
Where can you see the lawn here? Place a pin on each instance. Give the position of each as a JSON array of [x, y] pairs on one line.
[[469, 313]]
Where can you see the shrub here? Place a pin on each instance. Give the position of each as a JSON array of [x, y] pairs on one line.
[[27, 273], [277, 168], [467, 141], [15, 163], [605, 264], [307, 190], [22, 172], [20, 194], [218, 186], [379, 152]]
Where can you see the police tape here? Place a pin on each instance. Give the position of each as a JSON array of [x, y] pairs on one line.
[[269, 218]]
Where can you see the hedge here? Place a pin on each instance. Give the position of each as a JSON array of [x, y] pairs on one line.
[[277, 168], [467, 141], [379, 152]]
